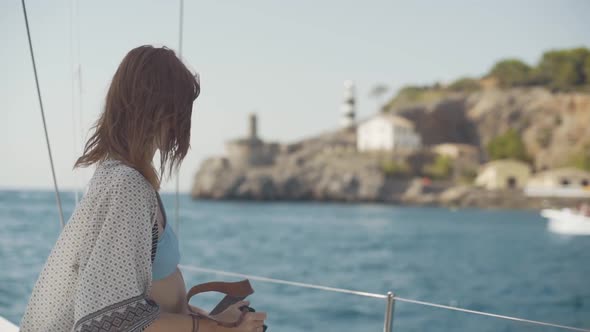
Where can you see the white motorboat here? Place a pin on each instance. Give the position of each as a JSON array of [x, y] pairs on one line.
[[567, 221]]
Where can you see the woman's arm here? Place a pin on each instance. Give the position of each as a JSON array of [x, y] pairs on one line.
[[197, 309], [183, 323]]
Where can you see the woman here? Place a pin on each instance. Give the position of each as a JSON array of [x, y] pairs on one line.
[[114, 266]]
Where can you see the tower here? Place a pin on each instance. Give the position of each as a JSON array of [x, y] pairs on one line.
[[347, 109], [253, 127]]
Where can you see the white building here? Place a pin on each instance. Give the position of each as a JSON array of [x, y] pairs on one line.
[[561, 178], [503, 174], [457, 151], [561, 182], [386, 132]]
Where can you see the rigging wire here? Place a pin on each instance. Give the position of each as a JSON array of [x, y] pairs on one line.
[[57, 196]]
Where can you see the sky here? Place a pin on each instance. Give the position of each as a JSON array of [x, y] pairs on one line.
[[284, 60]]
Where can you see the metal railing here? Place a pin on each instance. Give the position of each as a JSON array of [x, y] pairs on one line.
[[390, 298]]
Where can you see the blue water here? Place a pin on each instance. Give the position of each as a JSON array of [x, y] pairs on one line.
[[503, 262]]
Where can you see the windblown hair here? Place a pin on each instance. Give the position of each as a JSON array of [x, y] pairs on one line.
[[149, 104]]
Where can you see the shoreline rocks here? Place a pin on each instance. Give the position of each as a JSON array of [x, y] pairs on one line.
[[218, 181]]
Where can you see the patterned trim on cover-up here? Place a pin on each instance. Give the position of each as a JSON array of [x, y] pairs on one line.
[[155, 236], [134, 314]]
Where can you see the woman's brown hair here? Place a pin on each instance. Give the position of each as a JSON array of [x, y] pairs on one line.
[[149, 103]]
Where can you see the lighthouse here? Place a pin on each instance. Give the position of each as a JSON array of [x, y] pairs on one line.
[[347, 109]]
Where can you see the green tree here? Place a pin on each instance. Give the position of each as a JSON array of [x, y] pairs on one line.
[[511, 72], [508, 146], [377, 92], [465, 84], [586, 70], [393, 168], [440, 169], [581, 159], [563, 69], [567, 69]]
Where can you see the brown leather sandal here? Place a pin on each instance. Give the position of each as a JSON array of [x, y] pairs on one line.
[[234, 292]]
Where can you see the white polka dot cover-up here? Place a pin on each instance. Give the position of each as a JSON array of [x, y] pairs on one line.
[[98, 274]]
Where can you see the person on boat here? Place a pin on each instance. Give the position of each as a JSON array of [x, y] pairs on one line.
[[114, 265]]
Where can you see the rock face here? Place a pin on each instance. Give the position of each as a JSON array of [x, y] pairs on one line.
[[554, 126], [328, 168], [323, 168]]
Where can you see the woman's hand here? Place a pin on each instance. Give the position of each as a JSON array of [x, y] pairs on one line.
[[252, 322], [232, 313]]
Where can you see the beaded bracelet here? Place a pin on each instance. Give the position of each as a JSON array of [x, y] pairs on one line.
[[198, 323]]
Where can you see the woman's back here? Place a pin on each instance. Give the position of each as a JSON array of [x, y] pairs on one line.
[[100, 268]]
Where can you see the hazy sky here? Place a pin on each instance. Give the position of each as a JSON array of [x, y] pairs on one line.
[[286, 60]]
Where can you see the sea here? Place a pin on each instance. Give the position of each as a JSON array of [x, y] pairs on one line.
[[498, 261]]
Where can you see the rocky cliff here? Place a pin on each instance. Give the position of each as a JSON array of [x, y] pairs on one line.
[[325, 167], [554, 126]]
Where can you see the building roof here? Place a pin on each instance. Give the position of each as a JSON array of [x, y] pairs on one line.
[[245, 141], [458, 146], [561, 172], [393, 119], [503, 163]]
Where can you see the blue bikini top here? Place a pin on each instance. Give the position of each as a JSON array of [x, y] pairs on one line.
[[167, 253]]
